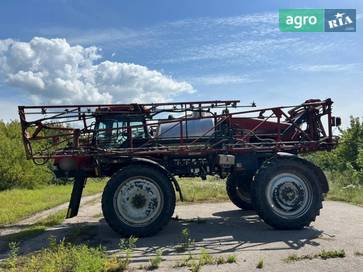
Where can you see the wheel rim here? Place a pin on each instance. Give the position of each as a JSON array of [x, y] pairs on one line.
[[138, 201], [289, 195]]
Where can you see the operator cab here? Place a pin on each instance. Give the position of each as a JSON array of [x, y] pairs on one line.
[[118, 129]]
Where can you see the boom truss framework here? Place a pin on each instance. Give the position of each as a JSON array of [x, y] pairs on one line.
[[69, 130]]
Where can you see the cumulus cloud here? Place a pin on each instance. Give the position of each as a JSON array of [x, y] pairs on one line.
[[53, 71]]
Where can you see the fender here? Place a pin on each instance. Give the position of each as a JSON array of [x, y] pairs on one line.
[[319, 173], [80, 181], [322, 178]]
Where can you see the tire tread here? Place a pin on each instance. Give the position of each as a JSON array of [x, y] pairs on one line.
[[260, 205], [108, 210]]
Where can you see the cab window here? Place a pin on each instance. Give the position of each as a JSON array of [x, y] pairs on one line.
[[137, 132], [113, 133]]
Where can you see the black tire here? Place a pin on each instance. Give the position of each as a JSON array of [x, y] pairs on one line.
[[238, 188], [153, 176], [284, 186]]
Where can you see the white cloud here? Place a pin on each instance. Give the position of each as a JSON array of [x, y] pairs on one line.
[[223, 79], [53, 71], [27, 80], [324, 67], [258, 23], [251, 51], [246, 39], [235, 21]]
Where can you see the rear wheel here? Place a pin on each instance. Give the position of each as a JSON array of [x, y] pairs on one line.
[[138, 200], [238, 190], [286, 193]]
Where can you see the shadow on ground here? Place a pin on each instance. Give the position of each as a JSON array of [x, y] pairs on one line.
[[227, 231]]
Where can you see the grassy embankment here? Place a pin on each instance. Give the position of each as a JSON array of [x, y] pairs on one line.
[[16, 204], [342, 188]]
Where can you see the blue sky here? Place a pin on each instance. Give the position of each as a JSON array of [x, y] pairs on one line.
[[222, 49]]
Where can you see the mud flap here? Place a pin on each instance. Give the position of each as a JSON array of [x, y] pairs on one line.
[[78, 185]]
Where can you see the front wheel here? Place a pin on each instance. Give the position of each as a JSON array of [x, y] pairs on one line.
[[138, 200], [287, 193]]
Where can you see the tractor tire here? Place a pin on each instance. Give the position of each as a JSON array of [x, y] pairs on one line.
[[287, 193], [138, 200], [240, 195]]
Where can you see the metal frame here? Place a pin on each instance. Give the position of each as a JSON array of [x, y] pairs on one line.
[[51, 126]]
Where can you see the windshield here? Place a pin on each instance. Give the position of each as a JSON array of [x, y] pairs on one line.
[[113, 133]]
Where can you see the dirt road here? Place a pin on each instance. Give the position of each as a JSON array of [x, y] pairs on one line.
[[222, 229]]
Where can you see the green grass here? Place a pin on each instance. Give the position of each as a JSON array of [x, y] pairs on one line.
[[294, 258], [324, 254], [260, 264], [195, 264], [231, 259], [17, 204], [37, 228], [197, 190], [328, 254], [62, 257], [352, 194], [81, 233], [187, 242], [53, 219], [68, 257], [155, 261], [23, 235]]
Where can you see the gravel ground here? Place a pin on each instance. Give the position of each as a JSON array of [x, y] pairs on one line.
[[222, 229]]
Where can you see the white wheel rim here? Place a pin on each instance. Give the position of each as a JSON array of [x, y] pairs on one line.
[[138, 201], [289, 195]]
